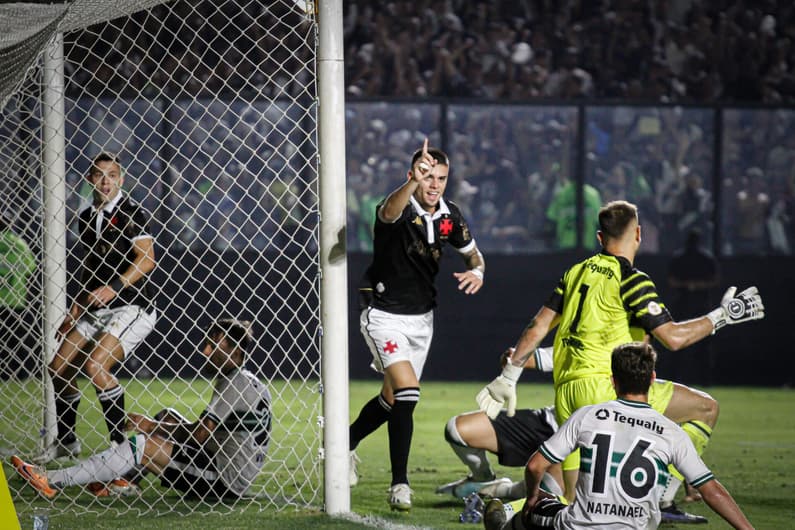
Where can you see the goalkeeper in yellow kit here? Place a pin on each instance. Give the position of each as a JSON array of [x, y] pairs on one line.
[[592, 306]]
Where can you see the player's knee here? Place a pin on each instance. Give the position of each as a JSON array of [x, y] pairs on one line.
[[451, 433], [714, 411], [709, 410]]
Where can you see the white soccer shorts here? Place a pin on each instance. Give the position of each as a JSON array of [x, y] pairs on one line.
[[130, 324], [392, 338]]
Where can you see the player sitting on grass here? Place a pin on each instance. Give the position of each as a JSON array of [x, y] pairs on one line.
[[626, 449], [512, 438], [219, 455]]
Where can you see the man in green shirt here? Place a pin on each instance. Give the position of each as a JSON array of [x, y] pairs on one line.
[[17, 263], [562, 211]]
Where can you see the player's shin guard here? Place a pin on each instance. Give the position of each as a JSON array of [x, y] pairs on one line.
[[66, 411], [401, 429], [373, 414], [112, 401], [474, 459], [102, 467]]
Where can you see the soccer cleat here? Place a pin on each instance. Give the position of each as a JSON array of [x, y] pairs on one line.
[[505, 490], [494, 516], [473, 509], [672, 514], [466, 486], [400, 497], [34, 476], [117, 487], [58, 450], [353, 472]]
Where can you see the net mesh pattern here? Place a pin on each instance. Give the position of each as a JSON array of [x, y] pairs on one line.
[[211, 108]]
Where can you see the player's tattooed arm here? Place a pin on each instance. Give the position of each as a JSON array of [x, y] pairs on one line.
[[538, 328], [471, 280]]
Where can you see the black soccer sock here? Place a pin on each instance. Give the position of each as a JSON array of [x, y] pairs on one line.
[[66, 412], [373, 414], [112, 401], [401, 429]]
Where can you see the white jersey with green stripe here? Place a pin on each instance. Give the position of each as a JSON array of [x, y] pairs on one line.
[[597, 299], [625, 448], [241, 408]]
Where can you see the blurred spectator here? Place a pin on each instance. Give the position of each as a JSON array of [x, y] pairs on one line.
[[562, 212], [751, 207], [17, 264], [693, 273]]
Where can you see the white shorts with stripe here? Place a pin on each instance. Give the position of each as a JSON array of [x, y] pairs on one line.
[[130, 324], [392, 338]]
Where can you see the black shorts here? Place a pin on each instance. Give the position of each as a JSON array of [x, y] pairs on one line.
[[193, 472], [519, 437]]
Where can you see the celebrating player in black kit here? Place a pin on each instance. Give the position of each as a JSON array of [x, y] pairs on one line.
[[112, 313], [398, 296]]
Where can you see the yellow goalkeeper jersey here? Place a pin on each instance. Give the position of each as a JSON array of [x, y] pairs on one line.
[[597, 299]]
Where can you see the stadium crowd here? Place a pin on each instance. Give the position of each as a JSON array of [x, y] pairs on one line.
[[649, 50], [483, 53]]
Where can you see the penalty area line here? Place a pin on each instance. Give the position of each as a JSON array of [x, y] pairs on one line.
[[377, 522]]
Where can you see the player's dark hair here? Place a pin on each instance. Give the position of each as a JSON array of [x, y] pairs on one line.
[[437, 154], [615, 217], [236, 331], [633, 364], [106, 156]]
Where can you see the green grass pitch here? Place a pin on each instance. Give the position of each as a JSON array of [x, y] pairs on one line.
[[752, 452]]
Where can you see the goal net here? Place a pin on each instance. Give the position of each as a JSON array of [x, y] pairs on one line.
[[211, 108]]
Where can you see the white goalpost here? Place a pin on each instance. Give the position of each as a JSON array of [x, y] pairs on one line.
[[228, 117]]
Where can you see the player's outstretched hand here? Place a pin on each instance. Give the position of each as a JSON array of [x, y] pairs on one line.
[[737, 308], [500, 392]]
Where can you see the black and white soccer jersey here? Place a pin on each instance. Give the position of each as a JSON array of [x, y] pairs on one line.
[[241, 408], [625, 448], [107, 236], [406, 257]]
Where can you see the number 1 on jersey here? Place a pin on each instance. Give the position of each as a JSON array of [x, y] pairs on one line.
[[583, 290]]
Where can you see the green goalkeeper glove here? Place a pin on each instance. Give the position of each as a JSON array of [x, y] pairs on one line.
[[500, 391], [736, 309]]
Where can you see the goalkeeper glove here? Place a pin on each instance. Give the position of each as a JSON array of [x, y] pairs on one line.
[[735, 309], [501, 390]]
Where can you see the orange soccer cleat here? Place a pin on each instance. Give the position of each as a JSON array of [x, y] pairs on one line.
[[34, 476]]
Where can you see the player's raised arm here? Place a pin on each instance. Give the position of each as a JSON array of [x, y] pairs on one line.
[[421, 168]]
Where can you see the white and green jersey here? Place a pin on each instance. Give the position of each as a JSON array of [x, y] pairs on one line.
[[625, 448], [241, 408]]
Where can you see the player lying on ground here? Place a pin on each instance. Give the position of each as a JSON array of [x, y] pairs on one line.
[[219, 455], [626, 449]]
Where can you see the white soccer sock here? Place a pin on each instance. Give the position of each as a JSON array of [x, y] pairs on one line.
[[669, 493], [101, 467], [550, 485], [474, 459]]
